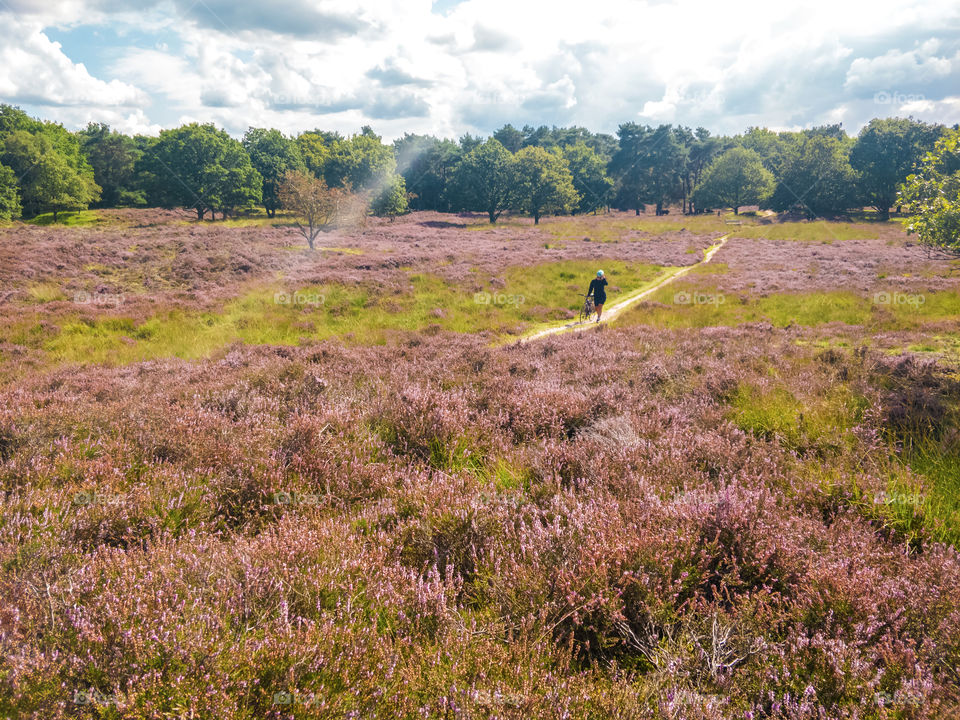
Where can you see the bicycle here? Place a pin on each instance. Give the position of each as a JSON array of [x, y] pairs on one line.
[[587, 310]]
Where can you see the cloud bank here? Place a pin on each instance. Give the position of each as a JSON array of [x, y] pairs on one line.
[[449, 68]]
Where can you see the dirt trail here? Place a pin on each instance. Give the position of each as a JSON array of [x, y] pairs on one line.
[[610, 313]]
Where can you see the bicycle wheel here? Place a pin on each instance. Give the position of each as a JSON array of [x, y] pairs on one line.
[[587, 310]]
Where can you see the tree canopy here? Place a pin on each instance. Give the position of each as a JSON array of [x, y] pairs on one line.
[[113, 157], [9, 194], [50, 179], [543, 182], [201, 168], [932, 195], [735, 178], [886, 151], [815, 175], [484, 180], [590, 180], [273, 155], [391, 199]]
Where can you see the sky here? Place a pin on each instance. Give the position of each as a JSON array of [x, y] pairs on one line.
[[448, 67]]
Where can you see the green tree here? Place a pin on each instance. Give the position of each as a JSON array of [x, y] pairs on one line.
[[200, 168], [543, 182], [648, 166], [702, 148], [13, 119], [232, 183], [273, 155], [50, 180], [469, 142], [359, 162], [9, 194], [590, 179], [770, 146], [815, 175], [932, 195], [485, 180], [426, 164], [314, 147], [735, 178], [392, 198], [511, 138], [113, 157], [886, 151]]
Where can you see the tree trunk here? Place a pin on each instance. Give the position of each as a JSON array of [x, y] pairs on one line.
[[736, 209], [536, 218], [493, 217], [54, 215], [885, 213], [638, 211], [200, 213]]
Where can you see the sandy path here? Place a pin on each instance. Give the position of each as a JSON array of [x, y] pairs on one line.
[[611, 313]]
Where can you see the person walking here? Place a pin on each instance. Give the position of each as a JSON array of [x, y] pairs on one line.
[[598, 288]]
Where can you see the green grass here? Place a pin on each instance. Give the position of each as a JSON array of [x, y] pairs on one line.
[[355, 313], [940, 504], [821, 231], [801, 424], [44, 292], [80, 218], [809, 309], [605, 231]]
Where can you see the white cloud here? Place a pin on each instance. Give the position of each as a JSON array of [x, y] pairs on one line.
[[395, 64], [34, 70]]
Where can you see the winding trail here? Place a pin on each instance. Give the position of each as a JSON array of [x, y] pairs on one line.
[[613, 311]]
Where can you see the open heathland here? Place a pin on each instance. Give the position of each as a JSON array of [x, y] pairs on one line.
[[244, 479]]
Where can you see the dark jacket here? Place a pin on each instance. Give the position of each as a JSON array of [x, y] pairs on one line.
[[598, 288]]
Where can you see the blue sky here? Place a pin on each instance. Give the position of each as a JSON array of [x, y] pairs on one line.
[[453, 66]]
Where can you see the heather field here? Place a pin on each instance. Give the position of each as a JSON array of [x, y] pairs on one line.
[[242, 479]]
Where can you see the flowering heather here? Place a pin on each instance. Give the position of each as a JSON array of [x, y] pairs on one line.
[[634, 521]]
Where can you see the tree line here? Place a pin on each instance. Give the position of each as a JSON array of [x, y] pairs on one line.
[[534, 171]]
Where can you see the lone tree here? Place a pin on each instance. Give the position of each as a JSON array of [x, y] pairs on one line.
[[932, 196], [544, 182], [735, 178], [315, 205]]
